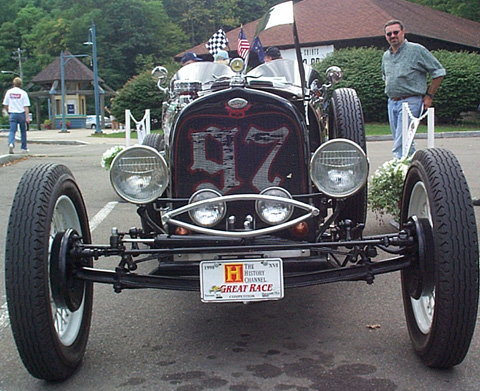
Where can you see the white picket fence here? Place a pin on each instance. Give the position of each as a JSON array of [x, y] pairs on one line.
[[409, 130], [142, 127]]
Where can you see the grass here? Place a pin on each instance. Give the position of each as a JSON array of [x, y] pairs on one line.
[[133, 134], [371, 129], [380, 129]]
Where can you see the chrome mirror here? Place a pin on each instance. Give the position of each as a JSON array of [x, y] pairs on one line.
[[160, 75], [334, 75]]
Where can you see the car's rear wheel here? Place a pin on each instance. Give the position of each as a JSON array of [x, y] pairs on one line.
[[441, 298], [51, 338], [346, 121]]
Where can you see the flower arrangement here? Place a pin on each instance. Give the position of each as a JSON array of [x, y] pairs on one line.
[[47, 124], [386, 187], [109, 155]]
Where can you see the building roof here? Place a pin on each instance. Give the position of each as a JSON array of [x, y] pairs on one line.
[[74, 70], [347, 23]]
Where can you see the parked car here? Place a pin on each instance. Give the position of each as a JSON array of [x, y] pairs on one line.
[[258, 186], [91, 122]]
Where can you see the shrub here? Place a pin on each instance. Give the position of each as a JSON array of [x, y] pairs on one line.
[[137, 95], [361, 67], [362, 71], [460, 88]]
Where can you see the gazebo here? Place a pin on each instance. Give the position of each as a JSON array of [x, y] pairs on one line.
[[78, 85]]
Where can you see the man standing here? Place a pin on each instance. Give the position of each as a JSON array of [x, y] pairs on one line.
[[405, 66], [17, 104]]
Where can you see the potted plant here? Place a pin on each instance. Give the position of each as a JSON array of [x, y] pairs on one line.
[[47, 124]]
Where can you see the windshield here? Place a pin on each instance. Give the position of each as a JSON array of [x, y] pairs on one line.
[[282, 69], [203, 72]]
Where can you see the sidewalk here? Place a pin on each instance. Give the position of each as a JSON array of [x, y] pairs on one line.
[[54, 136]]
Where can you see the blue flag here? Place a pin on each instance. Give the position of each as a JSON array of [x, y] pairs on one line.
[[258, 48]]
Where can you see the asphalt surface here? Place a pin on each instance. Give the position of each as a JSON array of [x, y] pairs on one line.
[[344, 336]]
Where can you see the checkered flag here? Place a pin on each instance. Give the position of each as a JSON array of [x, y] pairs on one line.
[[217, 42]]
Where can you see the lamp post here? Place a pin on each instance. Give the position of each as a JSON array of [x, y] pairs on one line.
[[92, 40], [19, 55], [10, 72], [63, 61]]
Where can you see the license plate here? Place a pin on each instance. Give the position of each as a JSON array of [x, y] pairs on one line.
[[241, 280]]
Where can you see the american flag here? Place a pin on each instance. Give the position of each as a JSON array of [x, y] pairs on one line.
[[242, 44], [217, 42]]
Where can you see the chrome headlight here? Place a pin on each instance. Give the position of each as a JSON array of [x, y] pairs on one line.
[[207, 214], [274, 211], [339, 168], [139, 174]]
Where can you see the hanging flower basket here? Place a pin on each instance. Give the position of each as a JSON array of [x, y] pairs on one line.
[[385, 190], [109, 155]]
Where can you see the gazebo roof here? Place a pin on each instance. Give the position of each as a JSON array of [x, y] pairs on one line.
[[74, 70]]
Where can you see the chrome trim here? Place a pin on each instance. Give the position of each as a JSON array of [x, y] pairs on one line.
[[241, 256], [167, 218], [237, 103]]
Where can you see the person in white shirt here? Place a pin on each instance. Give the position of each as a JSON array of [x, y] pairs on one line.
[[17, 104]]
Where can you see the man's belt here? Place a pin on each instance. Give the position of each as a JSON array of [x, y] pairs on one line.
[[403, 97]]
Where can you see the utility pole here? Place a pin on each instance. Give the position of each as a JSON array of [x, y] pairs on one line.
[[17, 55]]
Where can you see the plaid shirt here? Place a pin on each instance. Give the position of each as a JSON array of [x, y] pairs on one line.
[[405, 72]]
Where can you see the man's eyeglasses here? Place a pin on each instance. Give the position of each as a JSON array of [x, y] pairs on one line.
[[390, 33]]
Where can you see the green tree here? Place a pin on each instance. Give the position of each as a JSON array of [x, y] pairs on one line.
[[201, 18], [468, 9], [128, 32], [137, 95]]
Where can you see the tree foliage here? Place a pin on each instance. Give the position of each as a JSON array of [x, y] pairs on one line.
[[125, 31], [137, 95], [468, 9], [201, 18], [132, 35]]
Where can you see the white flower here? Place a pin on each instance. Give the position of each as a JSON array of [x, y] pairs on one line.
[[386, 186], [109, 155]]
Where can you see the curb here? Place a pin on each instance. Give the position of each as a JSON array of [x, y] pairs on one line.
[[423, 136], [5, 159], [59, 142]]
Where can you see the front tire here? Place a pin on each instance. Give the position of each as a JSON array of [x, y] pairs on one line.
[[441, 319], [346, 121], [51, 339]]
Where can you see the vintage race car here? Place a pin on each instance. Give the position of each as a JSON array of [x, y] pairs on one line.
[[258, 185]]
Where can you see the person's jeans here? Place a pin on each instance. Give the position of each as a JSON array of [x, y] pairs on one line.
[[15, 120], [415, 104]]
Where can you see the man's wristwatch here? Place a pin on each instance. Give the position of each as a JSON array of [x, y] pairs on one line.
[[430, 95]]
